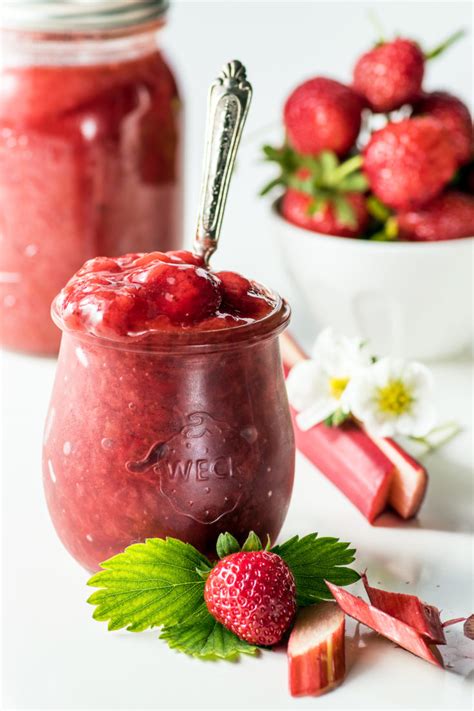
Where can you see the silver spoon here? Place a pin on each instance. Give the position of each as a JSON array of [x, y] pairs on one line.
[[228, 105]]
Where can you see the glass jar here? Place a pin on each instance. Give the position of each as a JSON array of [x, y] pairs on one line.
[[90, 141], [188, 437]]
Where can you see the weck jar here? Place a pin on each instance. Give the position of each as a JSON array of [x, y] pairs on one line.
[[158, 428], [90, 142]]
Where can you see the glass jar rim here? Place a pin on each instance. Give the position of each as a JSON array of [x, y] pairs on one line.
[[191, 341], [81, 16]]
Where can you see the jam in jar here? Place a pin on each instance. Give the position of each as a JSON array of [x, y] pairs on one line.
[[169, 414], [89, 152]]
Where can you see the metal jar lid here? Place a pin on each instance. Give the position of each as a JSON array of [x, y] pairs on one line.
[[79, 15]]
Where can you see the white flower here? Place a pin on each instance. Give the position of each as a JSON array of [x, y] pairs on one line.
[[316, 388], [392, 397]]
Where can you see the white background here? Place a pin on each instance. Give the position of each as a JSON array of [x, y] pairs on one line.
[[54, 655]]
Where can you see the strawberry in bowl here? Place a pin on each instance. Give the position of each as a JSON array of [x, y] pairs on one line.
[[390, 74], [372, 222], [323, 114]]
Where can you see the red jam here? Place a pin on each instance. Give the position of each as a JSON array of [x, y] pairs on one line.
[[89, 164], [169, 414]]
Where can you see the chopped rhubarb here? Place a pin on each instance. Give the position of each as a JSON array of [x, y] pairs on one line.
[[316, 652], [410, 479], [349, 458], [410, 609], [372, 467], [390, 627], [468, 627]]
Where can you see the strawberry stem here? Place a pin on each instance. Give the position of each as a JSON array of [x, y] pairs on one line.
[[452, 39], [376, 23]]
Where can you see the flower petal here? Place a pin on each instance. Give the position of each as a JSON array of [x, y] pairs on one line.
[[339, 356], [306, 383], [315, 414]]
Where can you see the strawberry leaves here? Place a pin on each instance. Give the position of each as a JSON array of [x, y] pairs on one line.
[[149, 584], [202, 636], [161, 583], [253, 543], [313, 560], [226, 545], [323, 177]]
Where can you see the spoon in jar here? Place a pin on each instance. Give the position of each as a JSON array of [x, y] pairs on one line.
[[228, 105]]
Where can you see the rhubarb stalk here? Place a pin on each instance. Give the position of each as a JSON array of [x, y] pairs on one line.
[[350, 459], [316, 652], [410, 609], [410, 479], [390, 627], [373, 467]]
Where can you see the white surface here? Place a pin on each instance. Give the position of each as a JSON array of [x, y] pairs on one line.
[[55, 656], [385, 292]]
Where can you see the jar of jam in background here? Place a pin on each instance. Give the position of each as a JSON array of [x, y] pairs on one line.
[[90, 142], [161, 428]]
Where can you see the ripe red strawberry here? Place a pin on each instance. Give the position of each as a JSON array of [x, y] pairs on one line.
[[390, 75], [323, 114], [295, 207], [410, 162], [455, 117], [252, 594], [182, 292], [448, 216], [240, 296]]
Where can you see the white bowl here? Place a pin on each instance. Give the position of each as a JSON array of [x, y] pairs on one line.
[[411, 299]]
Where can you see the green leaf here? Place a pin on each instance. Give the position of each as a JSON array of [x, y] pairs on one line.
[[329, 163], [149, 584], [204, 637], [226, 545], [285, 157], [317, 204], [313, 165], [344, 210], [304, 185], [312, 560], [270, 186], [253, 543], [203, 572], [355, 183], [349, 167]]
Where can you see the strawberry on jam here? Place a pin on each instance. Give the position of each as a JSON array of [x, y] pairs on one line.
[[241, 296], [182, 292], [139, 294]]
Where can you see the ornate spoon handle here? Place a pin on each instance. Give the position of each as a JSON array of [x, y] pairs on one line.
[[229, 100]]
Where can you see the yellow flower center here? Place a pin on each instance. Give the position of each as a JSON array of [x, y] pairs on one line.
[[394, 398], [337, 386]]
